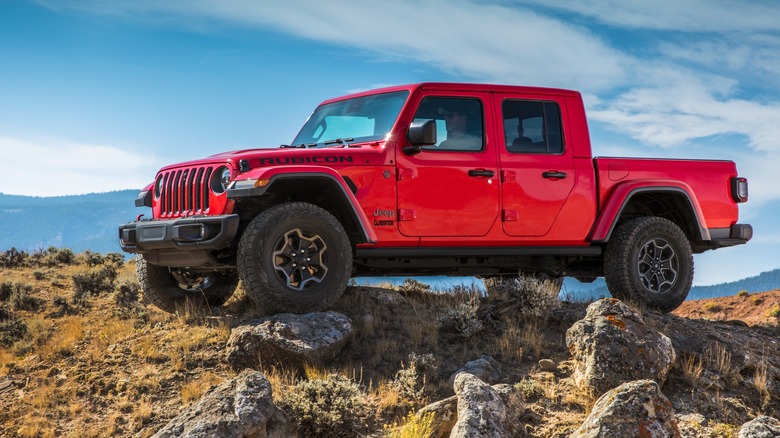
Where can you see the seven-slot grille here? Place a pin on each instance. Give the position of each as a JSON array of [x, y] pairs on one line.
[[185, 191]]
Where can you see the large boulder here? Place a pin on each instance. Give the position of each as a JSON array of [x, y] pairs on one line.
[[613, 345], [285, 338], [760, 427], [481, 411], [240, 407], [485, 368], [633, 409], [446, 413]]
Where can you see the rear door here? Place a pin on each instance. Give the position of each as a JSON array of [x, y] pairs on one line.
[[537, 169], [451, 188]]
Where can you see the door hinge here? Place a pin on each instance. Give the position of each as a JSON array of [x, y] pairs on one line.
[[510, 215], [406, 215], [507, 176]]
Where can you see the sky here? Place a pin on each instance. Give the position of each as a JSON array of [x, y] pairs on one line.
[[96, 95]]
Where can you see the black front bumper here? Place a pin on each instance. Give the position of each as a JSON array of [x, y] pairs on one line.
[[185, 242]]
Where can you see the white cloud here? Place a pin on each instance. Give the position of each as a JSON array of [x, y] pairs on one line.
[[676, 15], [56, 167]]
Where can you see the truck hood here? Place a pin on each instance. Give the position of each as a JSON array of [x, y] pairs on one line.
[[357, 154]]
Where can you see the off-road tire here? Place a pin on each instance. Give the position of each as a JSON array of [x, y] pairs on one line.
[[161, 288], [310, 281], [649, 260]]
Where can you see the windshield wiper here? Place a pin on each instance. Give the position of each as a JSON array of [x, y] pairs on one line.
[[341, 141], [302, 145]]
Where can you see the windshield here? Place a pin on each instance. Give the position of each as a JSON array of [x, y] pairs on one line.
[[367, 118]]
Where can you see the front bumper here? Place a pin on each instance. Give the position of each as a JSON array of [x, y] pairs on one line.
[[179, 242]]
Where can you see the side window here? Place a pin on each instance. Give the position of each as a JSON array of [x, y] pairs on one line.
[[532, 127], [459, 122]]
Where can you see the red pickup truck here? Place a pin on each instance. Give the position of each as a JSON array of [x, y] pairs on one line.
[[430, 179]]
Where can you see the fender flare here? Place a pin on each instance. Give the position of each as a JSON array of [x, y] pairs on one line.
[[274, 175], [621, 195]]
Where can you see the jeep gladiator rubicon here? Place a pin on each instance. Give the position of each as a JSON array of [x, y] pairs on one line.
[[430, 179]]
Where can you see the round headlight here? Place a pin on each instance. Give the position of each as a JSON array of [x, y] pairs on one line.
[[158, 186], [220, 180]]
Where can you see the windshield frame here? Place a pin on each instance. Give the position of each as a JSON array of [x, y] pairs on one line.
[[385, 108]]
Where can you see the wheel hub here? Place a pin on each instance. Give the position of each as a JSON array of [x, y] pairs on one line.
[[658, 266], [299, 259]]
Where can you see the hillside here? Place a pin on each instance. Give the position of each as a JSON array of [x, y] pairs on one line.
[[765, 281], [81, 356], [80, 222]]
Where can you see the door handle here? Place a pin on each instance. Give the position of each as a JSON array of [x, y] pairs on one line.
[[554, 175], [481, 172]]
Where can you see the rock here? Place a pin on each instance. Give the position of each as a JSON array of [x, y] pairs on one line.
[[485, 368], [513, 400], [6, 383], [760, 427], [613, 345], [548, 365], [445, 415], [633, 409], [240, 407], [288, 339], [481, 411]]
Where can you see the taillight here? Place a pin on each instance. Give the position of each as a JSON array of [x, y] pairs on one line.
[[739, 189]]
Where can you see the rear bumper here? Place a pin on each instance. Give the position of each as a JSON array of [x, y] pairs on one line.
[[179, 242], [737, 234]]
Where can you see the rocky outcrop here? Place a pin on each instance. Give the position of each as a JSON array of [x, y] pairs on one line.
[[613, 345], [285, 338], [240, 407], [466, 409], [481, 411], [633, 409], [760, 427], [485, 368]]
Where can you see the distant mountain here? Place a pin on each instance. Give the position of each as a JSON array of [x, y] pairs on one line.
[[762, 282], [79, 222]]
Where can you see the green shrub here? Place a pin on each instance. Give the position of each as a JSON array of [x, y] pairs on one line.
[[461, 320], [22, 298], [743, 293], [94, 282], [536, 297], [19, 296], [12, 258], [39, 275], [412, 285], [12, 331], [332, 407], [410, 380]]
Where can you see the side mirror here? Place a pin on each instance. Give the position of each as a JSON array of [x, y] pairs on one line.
[[421, 133]]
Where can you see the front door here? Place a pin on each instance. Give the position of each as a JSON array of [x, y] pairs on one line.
[[451, 188]]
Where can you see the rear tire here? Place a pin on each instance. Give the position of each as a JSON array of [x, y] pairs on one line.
[[172, 288], [294, 257], [649, 260]]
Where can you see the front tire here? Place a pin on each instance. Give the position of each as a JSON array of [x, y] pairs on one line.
[[171, 288], [294, 257], [649, 260]]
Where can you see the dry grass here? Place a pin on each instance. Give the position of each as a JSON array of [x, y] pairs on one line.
[[192, 391], [692, 370], [718, 358], [413, 426], [712, 307]]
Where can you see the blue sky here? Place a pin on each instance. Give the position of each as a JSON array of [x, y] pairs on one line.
[[96, 95]]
